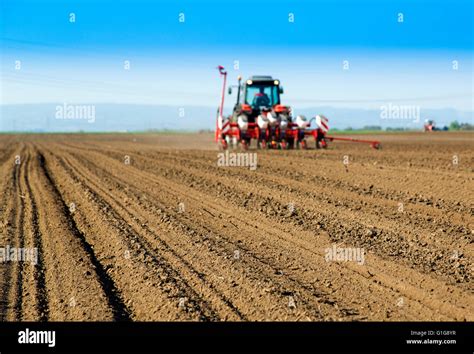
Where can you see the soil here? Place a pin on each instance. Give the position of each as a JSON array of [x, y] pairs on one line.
[[150, 228]]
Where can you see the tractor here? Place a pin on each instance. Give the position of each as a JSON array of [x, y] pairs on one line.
[[429, 126], [260, 115]]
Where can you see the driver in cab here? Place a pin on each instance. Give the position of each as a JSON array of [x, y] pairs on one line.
[[261, 99]]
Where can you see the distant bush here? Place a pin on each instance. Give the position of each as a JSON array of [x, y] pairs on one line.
[[466, 126], [455, 125]]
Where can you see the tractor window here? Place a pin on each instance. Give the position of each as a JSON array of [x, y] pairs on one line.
[[262, 95]]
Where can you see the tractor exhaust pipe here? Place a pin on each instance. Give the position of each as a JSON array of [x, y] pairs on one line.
[[239, 79]]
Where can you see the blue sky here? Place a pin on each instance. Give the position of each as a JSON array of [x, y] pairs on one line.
[[174, 62]]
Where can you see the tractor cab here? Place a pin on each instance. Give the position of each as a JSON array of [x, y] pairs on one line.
[[261, 92], [256, 95]]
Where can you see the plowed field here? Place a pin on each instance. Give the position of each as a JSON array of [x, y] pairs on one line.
[[150, 228]]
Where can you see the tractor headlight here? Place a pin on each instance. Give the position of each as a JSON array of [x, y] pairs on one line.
[[276, 82], [249, 82]]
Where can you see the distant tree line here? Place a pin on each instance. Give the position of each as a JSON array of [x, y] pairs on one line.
[[454, 126]]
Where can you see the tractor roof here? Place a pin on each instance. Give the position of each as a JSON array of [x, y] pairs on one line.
[[261, 78]]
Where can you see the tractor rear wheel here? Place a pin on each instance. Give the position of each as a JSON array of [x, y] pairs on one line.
[[290, 143]]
